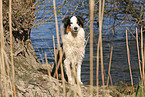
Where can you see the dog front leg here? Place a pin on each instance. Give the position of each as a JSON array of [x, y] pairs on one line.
[[79, 72]]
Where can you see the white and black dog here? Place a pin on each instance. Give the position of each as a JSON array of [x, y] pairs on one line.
[[73, 40]]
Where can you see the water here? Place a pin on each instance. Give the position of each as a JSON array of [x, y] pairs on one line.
[[113, 36]]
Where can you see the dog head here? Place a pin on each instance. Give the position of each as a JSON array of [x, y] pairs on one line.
[[73, 24]]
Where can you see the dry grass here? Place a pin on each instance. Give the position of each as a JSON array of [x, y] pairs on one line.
[[61, 87]]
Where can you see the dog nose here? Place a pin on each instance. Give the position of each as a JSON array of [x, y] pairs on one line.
[[75, 28]]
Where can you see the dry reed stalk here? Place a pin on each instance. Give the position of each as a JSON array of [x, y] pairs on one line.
[[91, 45], [3, 70], [47, 65], [57, 63], [144, 75], [101, 12], [11, 47], [55, 55], [58, 92], [139, 61], [128, 54], [49, 73], [97, 70], [56, 23], [99, 47], [142, 55], [58, 43], [2, 92], [8, 73], [111, 80], [54, 49], [62, 74], [110, 66]]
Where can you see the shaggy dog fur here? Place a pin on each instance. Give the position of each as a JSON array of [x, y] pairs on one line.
[[73, 44]]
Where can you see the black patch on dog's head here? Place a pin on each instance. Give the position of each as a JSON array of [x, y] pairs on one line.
[[66, 22], [80, 21]]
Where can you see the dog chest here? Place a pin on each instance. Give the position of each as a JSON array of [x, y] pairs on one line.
[[74, 47]]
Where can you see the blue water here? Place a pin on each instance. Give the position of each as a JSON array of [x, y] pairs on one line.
[[113, 35]]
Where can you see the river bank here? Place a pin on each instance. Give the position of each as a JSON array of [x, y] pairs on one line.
[[28, 80]]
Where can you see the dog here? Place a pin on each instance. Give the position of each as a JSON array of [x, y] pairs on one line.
[[73, 45], [73, 40]]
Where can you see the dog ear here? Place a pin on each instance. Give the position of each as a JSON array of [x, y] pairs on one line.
[[66, 21], [81, 20]]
